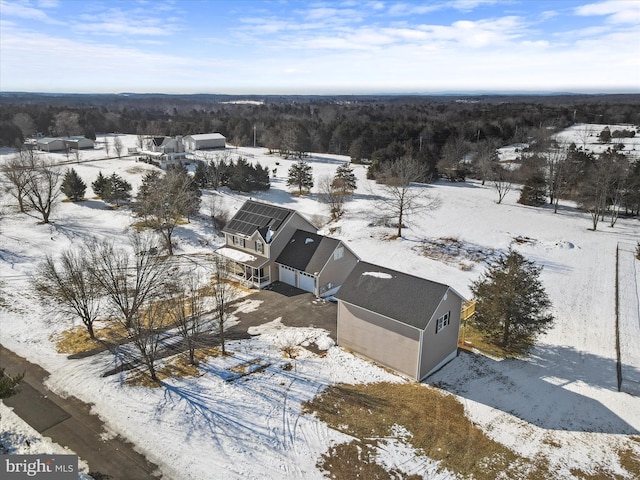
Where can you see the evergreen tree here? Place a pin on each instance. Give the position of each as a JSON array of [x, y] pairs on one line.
[[260, 180], [117, 190], [73, 186], [201, 175], [300, 176], [9, 384], [534, 191], [345, 179], [511, 303], [99, 184]]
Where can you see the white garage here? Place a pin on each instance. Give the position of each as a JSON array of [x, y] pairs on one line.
[[288, 275], [306, 282], [296, 278]]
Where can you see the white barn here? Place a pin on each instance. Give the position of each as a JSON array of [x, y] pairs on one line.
[[204, 141]]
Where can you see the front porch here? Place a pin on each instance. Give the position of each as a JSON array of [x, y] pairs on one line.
[[249, 270]]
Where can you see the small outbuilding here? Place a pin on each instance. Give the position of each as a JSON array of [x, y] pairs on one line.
[[315, 263], [404, 322], [204, 141]]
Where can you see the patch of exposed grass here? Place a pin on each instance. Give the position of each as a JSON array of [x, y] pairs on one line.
[[177, 366], [357, 460], [455, 252], [596, 475], [472, 339], [436, 421], [77, 340], [438, 428], [630, 460]]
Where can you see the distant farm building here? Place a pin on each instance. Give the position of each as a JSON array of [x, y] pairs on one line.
[[49, 144], [204, 141], [79, 143], [61, 144]]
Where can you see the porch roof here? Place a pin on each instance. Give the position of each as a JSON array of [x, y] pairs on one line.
[[242, 257]]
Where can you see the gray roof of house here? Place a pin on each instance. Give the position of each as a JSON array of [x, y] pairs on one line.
[[254, 216], [307, 251], [403, 297]]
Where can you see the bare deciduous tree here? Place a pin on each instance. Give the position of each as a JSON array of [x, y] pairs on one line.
[[66, 124], [130, 279], [187, 312], [404, 198], [117, 146], [17, 173], [217, 212], [331, 194], [451, 162], [25, 123], [165, 201], [223, 293], [69, 286], [43, 189], [561, 174], [584, 133], [486, 156], [147, 330], [502, 179]]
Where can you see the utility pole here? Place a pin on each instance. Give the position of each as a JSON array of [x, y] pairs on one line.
[[254, 136]]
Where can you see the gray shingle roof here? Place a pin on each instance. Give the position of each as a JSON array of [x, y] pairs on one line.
[[403, 297], [254, 216], [307, 251]]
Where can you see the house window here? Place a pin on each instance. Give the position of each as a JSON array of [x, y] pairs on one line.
[[238, 242], [443, 321], [259, 246], [338, 253]]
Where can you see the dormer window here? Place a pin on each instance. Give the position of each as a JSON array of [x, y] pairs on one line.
[[259, 246]]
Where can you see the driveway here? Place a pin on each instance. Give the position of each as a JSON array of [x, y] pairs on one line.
[[295, 307], [70, 423]]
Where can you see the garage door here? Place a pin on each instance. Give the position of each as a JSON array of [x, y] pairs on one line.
[[306, 282], [288, 275]]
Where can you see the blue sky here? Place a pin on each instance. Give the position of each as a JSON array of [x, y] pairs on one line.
[[334, 47]]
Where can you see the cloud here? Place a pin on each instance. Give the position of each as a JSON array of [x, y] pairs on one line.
[[24, 10], [617, 12], [48, 3], [117, 22]]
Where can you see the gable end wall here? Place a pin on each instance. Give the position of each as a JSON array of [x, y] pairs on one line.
[[436, 347], [379, 338]]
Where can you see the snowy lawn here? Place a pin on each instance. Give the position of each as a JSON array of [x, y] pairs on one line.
[[560, 406]]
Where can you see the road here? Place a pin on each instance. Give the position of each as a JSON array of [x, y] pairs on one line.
[[68, 422]]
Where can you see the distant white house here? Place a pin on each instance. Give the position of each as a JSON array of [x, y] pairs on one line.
[[204, 141]]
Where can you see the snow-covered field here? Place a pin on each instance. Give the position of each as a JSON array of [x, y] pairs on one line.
[[586, 137], [560, 406]]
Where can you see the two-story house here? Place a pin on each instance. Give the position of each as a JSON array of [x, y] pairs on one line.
[[255, 236], [267, 243]]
